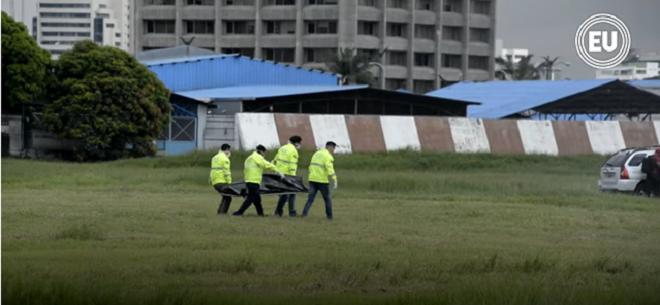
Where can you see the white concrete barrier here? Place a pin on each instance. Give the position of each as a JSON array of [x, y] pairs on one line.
[[538, 137], [469, 135], [331, 128], [399, 132], [257, 128], [605, 137]]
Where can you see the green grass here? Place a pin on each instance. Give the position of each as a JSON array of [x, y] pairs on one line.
[[409, 228]]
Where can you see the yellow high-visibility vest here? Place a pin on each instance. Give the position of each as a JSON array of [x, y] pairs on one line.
[[322, 167]]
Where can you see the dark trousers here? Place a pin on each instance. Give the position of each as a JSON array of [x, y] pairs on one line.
[[652, 186], [324, 188], [225, 201], [253, 197], [291, 198]]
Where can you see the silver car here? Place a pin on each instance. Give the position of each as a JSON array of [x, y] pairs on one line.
[[622, 172]]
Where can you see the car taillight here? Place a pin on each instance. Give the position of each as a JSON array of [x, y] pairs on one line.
[[624, 173]]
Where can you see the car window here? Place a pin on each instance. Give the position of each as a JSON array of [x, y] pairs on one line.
[[617, 160], [636, 160]]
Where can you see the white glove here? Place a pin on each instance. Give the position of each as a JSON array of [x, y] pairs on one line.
[[281, 176], [335, 184]]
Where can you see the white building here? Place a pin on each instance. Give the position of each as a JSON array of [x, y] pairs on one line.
[[645, 66], [62, 23], [23, 11], [516, 54]]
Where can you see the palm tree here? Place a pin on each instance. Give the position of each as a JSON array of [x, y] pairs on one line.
[[523, 69], [547, 66], [354, 68]]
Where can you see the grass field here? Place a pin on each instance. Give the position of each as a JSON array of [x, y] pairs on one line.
[[409, 228]]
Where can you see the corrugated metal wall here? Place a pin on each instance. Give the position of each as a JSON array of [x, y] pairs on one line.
[[218, 72]]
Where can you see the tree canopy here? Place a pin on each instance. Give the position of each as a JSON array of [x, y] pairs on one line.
[[24, 66], [521, 70], [353, 67], [107, 101]]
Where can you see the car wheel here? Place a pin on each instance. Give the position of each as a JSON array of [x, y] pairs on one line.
[[639, 190]]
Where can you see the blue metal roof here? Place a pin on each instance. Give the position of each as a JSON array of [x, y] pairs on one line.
[[218, 71], [503, 98], [256, 92], [646, 83]]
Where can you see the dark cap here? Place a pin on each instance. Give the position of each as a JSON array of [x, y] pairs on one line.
[[330, 143], [225, 147], [261, 148]]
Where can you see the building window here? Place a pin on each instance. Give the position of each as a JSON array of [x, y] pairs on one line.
[[239, 2], [280, 27], [321, 2], [396, 29], [368, 28], [199, 26], [321, 27], [280, 2], [65, 15], [455, 6], [452, 61], [425, 31], [241, 27], [319, 55], [425, 5], [249, 52], [65, 24], [397, 58], [479, 62], [200, 2], [159, 26], [480, 35], [110, 25], [397, 3], [159, 2], [452, 33], [424, 59], [480, 7], [395, 84], [372, 3], [67, 34], [64, 5], [371, 54], [285, 55], [423, 86]]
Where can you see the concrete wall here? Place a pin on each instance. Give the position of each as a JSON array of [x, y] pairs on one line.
[[355, 133]]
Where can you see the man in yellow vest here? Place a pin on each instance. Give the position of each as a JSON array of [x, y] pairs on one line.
[[286, 162], [253, 170], [320, 168], [220, 176]]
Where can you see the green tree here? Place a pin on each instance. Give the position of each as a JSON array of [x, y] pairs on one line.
[[510, 70], [24, 66], [107, 101], [354, 68]]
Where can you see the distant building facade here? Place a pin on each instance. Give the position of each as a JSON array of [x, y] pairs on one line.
[[23, 11], [424, 43], [62, 23], [645, 66], [516, 54]]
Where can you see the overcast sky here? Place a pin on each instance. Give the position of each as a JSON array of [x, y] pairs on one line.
[[547, 27]]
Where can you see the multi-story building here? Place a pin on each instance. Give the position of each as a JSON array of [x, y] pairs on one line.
[[516, 54], [424, 43], [23, 11], [642, 67], [62, 23]]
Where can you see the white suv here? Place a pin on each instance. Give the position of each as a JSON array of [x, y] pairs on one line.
[[622, 172]]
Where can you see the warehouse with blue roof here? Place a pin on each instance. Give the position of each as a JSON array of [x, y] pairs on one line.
[[555, 100], [206, 87]]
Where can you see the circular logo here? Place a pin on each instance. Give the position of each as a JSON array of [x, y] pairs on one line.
[[603, 41]]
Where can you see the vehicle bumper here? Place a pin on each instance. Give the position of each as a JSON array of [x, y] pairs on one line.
[[620, 186]]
